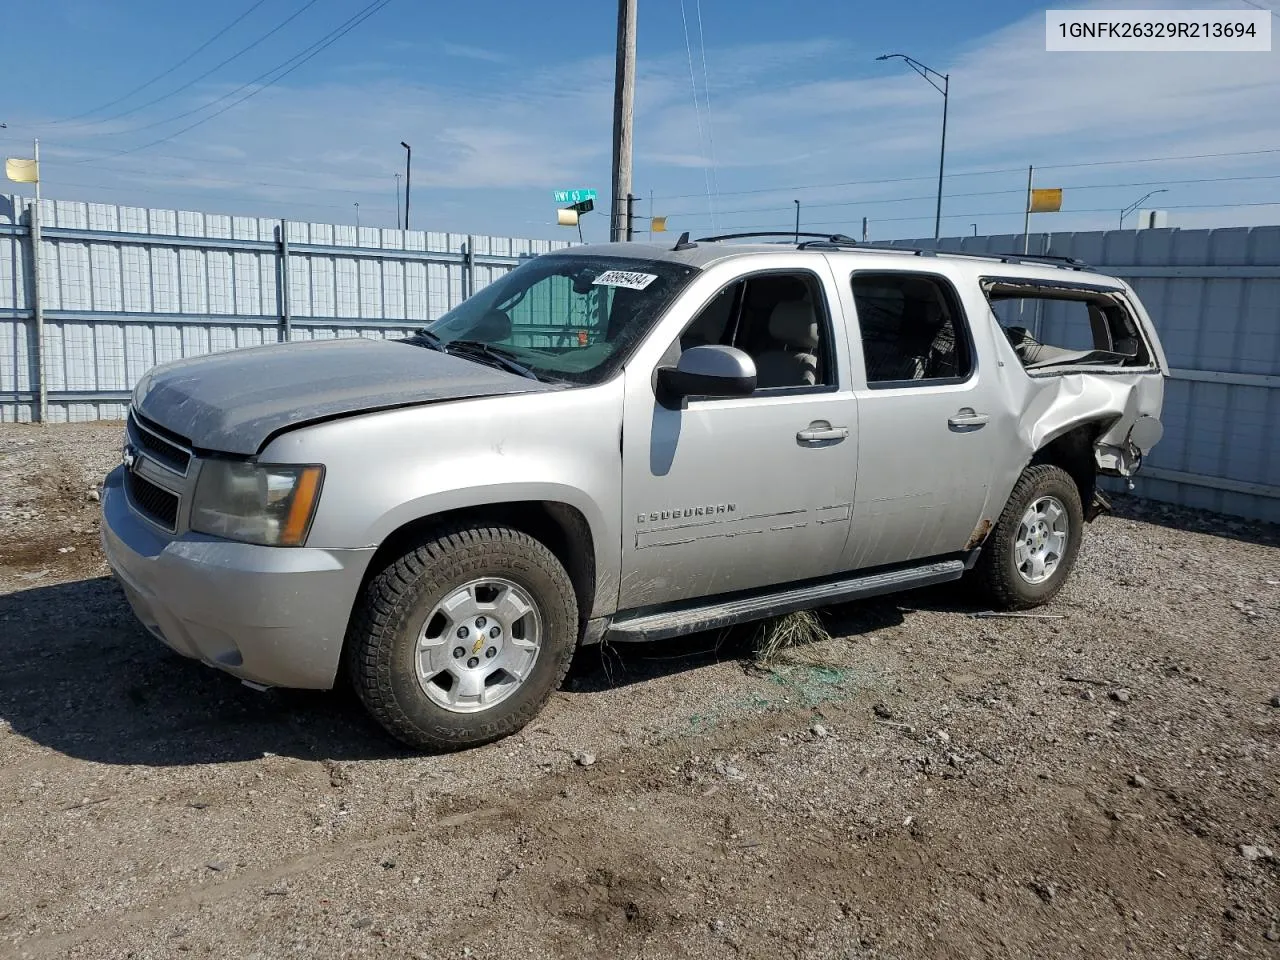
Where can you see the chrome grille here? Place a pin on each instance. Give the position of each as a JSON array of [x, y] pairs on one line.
[[152, 501], [163, 446]]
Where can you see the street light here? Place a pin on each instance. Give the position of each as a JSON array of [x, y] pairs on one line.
[[357, 206], [797, 203], [397, 201], [1134, 206], [945, 90], [408, 161]]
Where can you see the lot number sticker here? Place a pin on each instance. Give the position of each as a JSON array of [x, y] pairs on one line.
[[624, 278]]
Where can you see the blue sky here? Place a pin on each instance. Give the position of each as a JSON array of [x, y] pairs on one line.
[[505, 102]]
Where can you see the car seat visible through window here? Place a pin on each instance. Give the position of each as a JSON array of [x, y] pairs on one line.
[[793, 362]]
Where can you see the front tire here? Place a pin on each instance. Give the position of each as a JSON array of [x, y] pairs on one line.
[[1029, 554], [462, 639]]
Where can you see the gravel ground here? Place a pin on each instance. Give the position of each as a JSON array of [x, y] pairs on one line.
[[928, 784]]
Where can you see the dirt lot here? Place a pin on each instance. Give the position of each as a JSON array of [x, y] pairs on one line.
[[928, 785]]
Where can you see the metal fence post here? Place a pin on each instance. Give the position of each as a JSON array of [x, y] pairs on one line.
[[285, 333], [37, 309], [469, 287]]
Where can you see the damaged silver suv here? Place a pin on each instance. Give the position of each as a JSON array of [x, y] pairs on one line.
[[630, 441]]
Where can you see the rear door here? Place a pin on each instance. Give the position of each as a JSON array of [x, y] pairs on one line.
[[932, 424]]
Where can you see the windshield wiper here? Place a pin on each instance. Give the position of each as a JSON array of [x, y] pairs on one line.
[[425, 338], [500, 357]]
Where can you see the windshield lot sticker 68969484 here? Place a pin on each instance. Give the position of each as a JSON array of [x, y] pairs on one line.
[[624, 278]]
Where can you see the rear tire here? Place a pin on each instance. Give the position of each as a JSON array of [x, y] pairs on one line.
[[1029, 555], [495, 594]]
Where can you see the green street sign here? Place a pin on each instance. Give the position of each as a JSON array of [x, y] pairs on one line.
[[574, 196]]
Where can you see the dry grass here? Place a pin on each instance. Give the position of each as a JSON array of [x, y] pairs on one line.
[[782, 638]]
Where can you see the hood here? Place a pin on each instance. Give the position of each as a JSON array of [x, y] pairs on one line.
[[234, 402]]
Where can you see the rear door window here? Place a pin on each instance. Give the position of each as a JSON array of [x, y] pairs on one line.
[[913, 329]]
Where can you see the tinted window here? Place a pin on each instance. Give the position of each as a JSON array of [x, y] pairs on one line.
[[780, 320], [568, 317], [912, 329]]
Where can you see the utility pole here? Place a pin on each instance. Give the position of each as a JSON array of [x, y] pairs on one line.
[[624, 94], [1026, 218], [408, 171]]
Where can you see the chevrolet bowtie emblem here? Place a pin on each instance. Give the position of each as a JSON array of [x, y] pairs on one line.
[[475, 647]]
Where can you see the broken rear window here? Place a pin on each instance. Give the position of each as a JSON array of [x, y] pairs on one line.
[[1053, 326]]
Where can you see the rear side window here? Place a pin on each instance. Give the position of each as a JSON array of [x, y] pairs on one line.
[[1062, 326], [913, 331]]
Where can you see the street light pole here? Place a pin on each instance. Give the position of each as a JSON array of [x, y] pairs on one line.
[[797, 203], [397, 201], [945, 90], [1137, 203], [357, 206], [408, 171]]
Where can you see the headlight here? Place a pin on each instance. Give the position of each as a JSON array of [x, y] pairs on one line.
[[256, 503]]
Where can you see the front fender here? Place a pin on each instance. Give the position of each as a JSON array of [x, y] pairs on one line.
[[385, 470]]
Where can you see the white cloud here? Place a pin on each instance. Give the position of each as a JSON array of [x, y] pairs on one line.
[[474, 53], [488, 149]]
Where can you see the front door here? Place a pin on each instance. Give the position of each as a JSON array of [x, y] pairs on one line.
[[733, 494], [931, 420]]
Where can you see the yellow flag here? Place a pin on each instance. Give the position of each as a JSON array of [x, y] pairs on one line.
[[659, 224], [22, 171], [1046, 201]]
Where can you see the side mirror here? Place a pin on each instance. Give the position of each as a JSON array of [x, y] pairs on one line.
[[709, 371]]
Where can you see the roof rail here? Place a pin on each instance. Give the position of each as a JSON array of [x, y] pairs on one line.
[[1066, 263], [830, 237]]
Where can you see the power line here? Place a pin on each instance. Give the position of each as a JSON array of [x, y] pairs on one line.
[[1019, 213], [697, 112], [1262, 8], [1193, 156], [316, 48], [214, 69], [992, 193], [980, 173], [706, 98], [160, 76]]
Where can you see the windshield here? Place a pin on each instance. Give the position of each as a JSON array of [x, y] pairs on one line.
[[567, 317]]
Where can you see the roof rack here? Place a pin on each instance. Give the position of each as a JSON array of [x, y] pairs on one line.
[[1068, 263], [830, 237], [839, 241]]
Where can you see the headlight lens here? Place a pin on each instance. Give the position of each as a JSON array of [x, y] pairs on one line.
[[256, 503]]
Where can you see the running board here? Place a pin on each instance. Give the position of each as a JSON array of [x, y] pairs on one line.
[[674, 623]]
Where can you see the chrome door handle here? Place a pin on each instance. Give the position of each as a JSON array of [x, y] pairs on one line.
[[967, 417], [819, 432]]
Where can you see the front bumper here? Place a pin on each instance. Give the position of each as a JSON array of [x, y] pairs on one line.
[[270, 615]]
